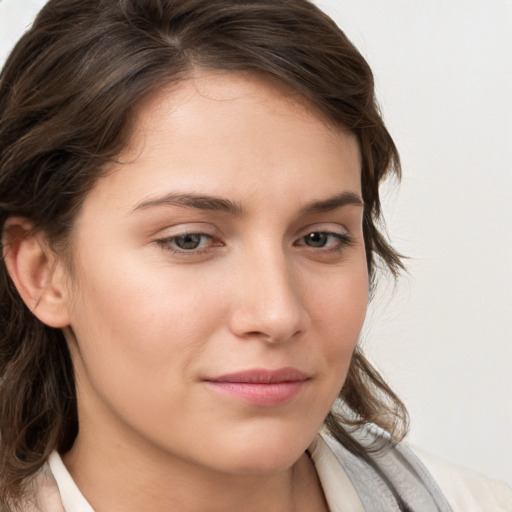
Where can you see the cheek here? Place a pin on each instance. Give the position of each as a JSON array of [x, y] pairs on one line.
[[338, 312], [339, 305], [139, 335], [139, 322]]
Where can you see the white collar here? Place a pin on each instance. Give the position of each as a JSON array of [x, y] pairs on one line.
[[72, 498]]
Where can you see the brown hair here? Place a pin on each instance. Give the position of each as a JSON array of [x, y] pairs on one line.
[[67, 92]]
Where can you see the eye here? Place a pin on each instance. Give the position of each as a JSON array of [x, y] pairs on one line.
[[316, 239], [325, 240], [190, 241], [187, 242]]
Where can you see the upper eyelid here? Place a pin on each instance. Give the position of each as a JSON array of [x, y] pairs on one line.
[[324, 227], [214, 232], [343, 237], [327, 232], [181, 229], [185, 233]]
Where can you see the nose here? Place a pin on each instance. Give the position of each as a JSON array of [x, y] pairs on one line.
[[268, 304]]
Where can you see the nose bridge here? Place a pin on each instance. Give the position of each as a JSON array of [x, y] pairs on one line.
[[269, 303]]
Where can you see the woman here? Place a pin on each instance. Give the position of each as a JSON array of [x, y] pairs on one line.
[[190, 209]]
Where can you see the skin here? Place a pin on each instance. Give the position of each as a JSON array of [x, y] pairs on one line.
[[148, 322]]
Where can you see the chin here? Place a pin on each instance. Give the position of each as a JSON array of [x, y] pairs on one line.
[[261, 463], [263, 453]]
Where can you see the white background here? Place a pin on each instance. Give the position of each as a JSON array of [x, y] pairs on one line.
[[443, 337]]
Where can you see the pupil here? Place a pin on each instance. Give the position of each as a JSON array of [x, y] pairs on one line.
[[188, 242], [316, 239]]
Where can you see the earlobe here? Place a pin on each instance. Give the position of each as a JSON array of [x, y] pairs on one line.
[[36, 272]]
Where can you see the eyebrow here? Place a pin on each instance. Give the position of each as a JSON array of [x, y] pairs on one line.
[[196, 201], [333, 203], [218, 204]]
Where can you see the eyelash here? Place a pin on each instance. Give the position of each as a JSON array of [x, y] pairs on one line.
[[344, 240]]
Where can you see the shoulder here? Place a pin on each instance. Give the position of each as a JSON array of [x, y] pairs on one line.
[[416, 478], [386, 475], [466, 490]]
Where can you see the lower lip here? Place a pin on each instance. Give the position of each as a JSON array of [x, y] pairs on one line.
[[262, 395]]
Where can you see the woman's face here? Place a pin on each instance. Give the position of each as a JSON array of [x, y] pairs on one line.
[[220, 279]]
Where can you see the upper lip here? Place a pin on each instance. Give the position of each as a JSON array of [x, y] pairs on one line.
[[262, 376]]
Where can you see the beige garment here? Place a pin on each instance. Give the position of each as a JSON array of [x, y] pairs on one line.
[[465, 490]]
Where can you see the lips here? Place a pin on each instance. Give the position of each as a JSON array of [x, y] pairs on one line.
[[261, 387]]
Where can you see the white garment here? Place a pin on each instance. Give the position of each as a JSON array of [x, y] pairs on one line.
[[72, 498], [465, 490]]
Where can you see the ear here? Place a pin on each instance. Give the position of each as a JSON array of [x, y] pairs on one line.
[[36, 271]]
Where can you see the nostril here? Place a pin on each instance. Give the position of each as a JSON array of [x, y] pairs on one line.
[[260, 335], [271, 337], [256, 333]]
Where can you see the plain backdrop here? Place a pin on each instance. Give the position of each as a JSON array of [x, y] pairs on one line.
[[443, 335]]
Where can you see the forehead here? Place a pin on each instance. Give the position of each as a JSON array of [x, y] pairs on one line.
[[234, 135], [208, 96]]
